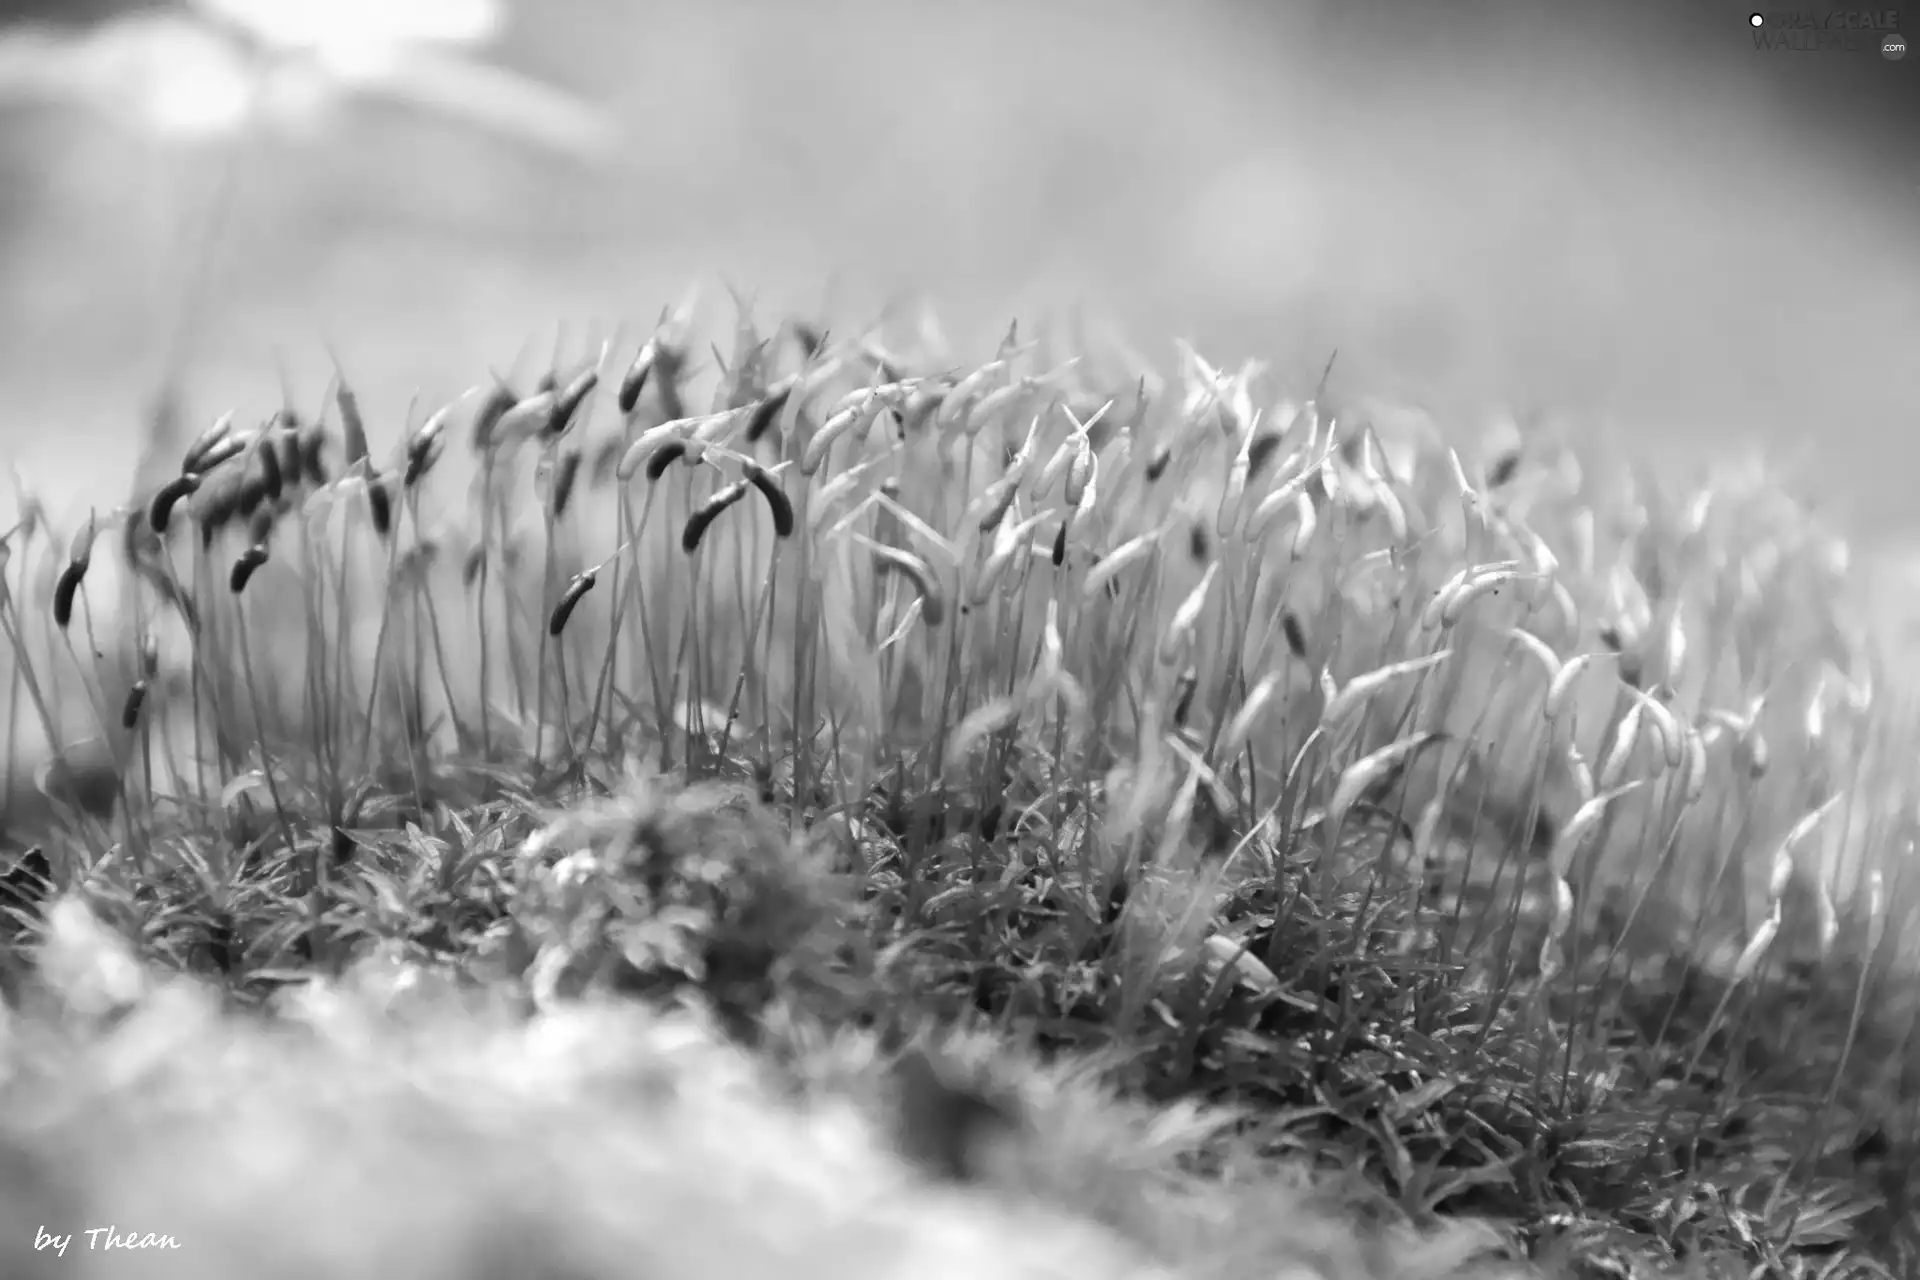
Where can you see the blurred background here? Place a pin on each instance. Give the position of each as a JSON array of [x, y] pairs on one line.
[[1625, 213]]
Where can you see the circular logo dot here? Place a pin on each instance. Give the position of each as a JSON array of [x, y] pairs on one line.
[[1756, 20], [1893, 48]]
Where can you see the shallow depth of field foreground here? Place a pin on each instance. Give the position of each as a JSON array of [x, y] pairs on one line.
[[760, 797]]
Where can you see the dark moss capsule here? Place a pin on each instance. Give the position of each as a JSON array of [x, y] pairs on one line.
[[664, 457], [708, 512], [286, 438], [566, 405], [810, 338], [669, 363], [63, 593], [160, 511], [313, 448], [569, 599], [253, 496], [1260, 452], [1183, 701], [277, 476], [245, 566], [778, 505], [130, 709], [634, 381], [1296, 636], [766, 412], [423, 448], [487, 417], [606, 460], [566, 473], [380, 506]]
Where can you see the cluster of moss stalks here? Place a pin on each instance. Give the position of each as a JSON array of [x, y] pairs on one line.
[[1494, 832]]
